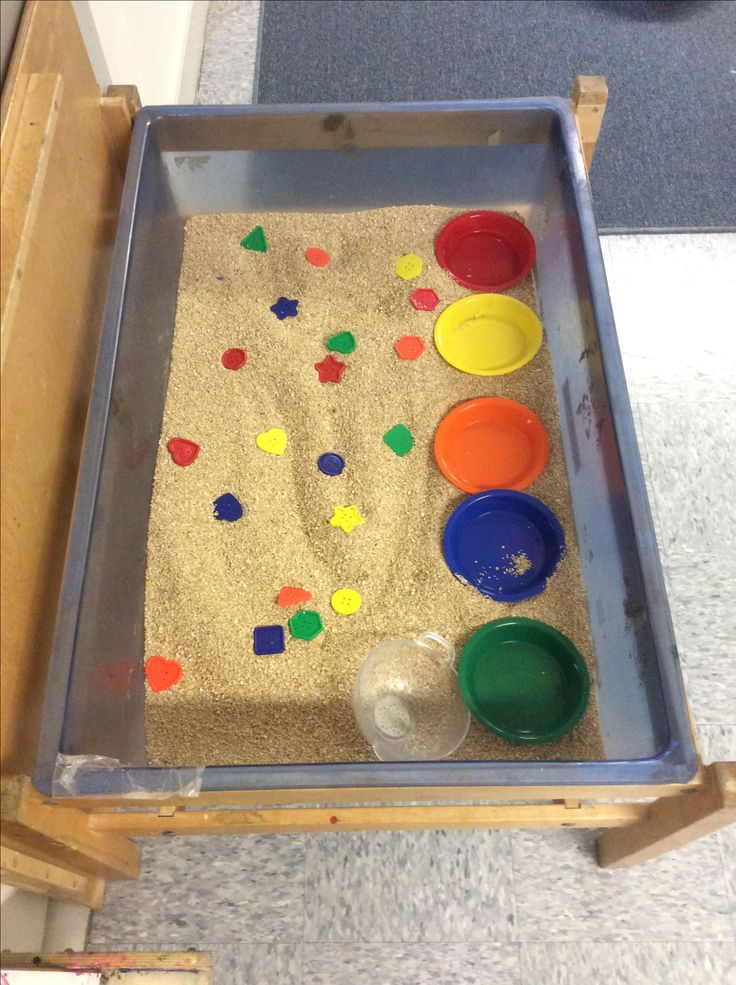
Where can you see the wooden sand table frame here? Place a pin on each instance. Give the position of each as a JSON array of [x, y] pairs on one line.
[[68, 848]]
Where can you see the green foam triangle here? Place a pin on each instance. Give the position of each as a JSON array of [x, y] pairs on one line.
[[255, 240]]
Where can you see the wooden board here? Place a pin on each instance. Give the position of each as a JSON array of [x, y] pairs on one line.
[[671, 824], [128, 967], [589, 99], [61, 188], [292, 820], [49, 879], [63, 152], [62, 835], [381, 795]]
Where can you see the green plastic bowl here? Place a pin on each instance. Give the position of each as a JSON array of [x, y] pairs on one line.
[[523, 680]]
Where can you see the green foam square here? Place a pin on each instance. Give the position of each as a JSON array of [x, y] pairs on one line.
[[399, 440]]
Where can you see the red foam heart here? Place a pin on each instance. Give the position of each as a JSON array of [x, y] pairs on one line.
[[183, 451], [292, 596], [162, 674]]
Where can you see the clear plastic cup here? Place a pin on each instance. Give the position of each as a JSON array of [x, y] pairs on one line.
[[407, 701]]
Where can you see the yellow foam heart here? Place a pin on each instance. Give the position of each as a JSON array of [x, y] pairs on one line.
[[273, 441]]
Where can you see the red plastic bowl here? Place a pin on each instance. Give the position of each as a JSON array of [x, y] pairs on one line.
[[485, 251]]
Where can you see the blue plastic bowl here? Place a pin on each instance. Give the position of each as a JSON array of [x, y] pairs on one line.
[[504, 543]]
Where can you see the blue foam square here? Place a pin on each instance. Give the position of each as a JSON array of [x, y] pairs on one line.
[[268, 639]]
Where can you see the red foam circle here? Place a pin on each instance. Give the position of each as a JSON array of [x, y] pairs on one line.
[[234, 358], [317, 257]]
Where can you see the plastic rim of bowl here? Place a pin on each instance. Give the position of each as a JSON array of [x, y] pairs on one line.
[[504, 543], [487, 334], [491, 443], [485, 250], [524, 680]]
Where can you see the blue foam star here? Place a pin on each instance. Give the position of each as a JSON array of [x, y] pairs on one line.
[[285, 308]]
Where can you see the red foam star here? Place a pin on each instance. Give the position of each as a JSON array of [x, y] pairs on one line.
[[330, 369]]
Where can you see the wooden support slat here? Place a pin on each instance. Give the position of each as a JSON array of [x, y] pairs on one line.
[[386, 795], [589, 99], [118, 107], [48, 879], [57, 229], [197, 964], [294, 820], [62, 835], [127, 92], [671, 824], [26, 147]]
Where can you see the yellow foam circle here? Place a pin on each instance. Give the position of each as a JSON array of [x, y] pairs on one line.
[[346, 601], [409, 266]]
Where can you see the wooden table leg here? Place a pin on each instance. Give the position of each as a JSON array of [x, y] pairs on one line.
[[62, 836], [674, 821], [118, 107], [589, 98]]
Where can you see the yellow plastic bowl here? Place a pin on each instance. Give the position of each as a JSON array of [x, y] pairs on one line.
[[488, 334]]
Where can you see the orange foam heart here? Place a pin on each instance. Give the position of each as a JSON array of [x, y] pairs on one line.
[[292, 596], [162, 674]]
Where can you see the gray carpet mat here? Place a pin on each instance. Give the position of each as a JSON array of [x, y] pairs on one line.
[[667, 155]]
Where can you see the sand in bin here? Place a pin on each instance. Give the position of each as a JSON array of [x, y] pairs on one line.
[[209, 583]]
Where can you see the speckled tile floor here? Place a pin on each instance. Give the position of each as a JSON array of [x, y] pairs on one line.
[[228, 65], [507, 908]]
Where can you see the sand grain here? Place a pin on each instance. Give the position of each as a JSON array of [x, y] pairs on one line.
[[209, 583]]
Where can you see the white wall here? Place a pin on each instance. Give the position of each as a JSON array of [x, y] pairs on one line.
[[23, 919], [153, 44], [33, 922], [12, 10]]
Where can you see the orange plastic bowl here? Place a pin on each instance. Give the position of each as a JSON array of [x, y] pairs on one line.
[[491, 443]]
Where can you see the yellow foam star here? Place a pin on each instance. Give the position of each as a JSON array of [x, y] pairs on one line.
[[409, 266], [346, 517]]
